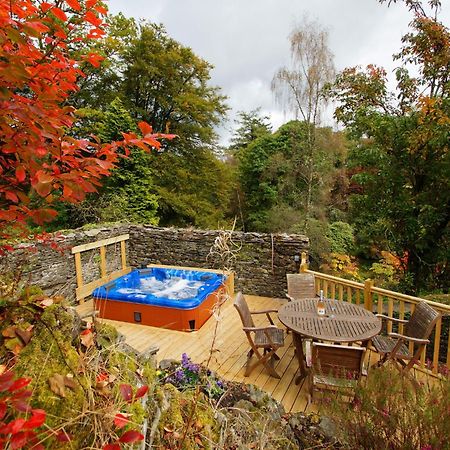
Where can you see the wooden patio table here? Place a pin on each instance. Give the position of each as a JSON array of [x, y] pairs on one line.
[[342, 322]]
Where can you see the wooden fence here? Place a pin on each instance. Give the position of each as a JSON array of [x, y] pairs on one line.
[[393, 304]]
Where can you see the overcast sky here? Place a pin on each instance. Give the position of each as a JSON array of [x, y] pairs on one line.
[[247, 40]]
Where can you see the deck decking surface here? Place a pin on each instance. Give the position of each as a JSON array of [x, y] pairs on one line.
[[222, 346]]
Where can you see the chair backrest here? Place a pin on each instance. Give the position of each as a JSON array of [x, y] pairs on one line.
[[301, 285], [241, 305], [422, 321], [341, 361]]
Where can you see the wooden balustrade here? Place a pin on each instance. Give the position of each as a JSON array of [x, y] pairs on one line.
[[392, 304]]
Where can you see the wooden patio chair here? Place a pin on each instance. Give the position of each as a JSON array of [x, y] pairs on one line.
[[268, 339], [300, 285], [417, 330], [335, 367]]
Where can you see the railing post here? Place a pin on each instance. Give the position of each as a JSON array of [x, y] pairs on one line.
[[303, 263], [368, 300]]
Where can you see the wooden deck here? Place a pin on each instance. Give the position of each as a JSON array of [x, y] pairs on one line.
[[222, 345]]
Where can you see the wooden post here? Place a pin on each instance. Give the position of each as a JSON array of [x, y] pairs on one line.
[[303, 263], [368, 300], [103, 261]]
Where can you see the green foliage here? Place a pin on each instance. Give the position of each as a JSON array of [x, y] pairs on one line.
[[250, 127], [389, 411], [400, 158], [340, 236], [148, 75], [274, 171]]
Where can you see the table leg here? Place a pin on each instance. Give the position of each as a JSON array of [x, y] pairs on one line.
[[297, 338]]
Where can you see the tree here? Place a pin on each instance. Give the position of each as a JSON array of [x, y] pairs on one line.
[[250, 127], [159, 79], [270, 173], [40, 162], [300, 90], [401, 153]]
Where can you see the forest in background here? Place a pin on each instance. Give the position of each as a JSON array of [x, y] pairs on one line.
[[374, 198]]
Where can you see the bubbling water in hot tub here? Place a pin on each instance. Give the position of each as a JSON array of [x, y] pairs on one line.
[[172, 287]]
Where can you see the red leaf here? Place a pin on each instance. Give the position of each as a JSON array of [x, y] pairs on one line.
[[95, 59], [131, 436], [2, 410], [141, 391], [74, 4], [145, 128], [15, 426], [19, 384], [11, 196], [120, 420], [20, 173], [19, 440], [45, 6], [112, 447], [62, 436], [36, 420], [59, 13], [126, 391], [92, 18]]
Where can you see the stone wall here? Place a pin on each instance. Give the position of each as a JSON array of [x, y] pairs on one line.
[[260, 261], [260, 264]]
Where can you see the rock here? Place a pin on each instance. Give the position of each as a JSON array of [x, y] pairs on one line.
[[166, 363], [328, 428]]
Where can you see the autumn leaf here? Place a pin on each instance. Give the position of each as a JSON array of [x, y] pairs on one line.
[[37, 419], [126, 391], [74, 4], [70, 382], [112, 447], [131, 436], [141, 391], [120, 420], [57, 384], [24, 335], [87, 338]]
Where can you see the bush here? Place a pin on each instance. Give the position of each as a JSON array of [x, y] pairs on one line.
[[341, 238], [392, 412]]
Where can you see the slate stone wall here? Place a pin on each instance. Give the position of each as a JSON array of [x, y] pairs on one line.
[[260, 261], [260, 264]]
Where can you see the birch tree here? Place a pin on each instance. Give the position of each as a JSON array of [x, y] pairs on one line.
[[298, 89]]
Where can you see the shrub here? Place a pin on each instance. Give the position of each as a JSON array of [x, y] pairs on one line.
[[341, 238], [391, 411]]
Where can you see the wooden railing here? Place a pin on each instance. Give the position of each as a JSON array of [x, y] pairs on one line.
[[393, 304], [85, 290]]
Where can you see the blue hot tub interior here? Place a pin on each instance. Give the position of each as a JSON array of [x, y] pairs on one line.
[[176, 288]]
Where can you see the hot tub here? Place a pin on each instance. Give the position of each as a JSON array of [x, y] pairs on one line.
[[178, 299]]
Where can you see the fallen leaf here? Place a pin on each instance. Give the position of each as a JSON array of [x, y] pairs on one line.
[[46, 302], [87, 338], [199, 442], [9, 332], [102, 388], [70, 382], [24, 335], [58, 299], [126, 391], [56, 383], [131, 436], [120, 420], [2, 368], [112, 378]]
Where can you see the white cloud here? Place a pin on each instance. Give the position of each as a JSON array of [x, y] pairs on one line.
[[247, 40]]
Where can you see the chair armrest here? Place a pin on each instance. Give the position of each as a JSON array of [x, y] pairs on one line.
[[392, 319], [264, 311], [409, 338], [270, 327]]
